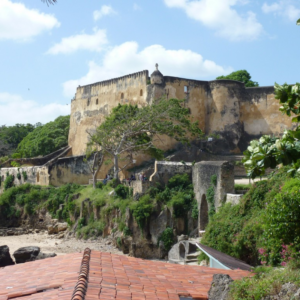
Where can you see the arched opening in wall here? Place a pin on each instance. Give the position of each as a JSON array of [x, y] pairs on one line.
[[203, 213], [97, 101], [141, 92], [88, 101], [122, 96], [38, 177], [182, 251]]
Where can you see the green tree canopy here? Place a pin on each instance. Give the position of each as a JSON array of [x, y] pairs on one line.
[[130, 129], [241, 75], [11, 136], [45, 139]]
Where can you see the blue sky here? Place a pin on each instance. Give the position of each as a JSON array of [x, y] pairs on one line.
[[47, 51]]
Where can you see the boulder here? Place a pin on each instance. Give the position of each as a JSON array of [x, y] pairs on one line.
[[26, 254], [5, 258], [62, 227], [56, 228], [219, 287], [288, 291], [45, 255], [51, 229]]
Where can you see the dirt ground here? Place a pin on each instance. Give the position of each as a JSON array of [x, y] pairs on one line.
[[50, 244]]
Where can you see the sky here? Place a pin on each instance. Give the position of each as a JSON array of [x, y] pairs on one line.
[[46, 51]]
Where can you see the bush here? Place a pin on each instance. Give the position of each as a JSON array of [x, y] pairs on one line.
[[267, 281], [99, 185], [122, 191], [238, 230], [282, 220], [127, 231], [9, 182], [167, 237], [179, 181], [142, 209]]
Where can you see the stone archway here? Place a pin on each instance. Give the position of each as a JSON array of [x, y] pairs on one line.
[[203, 213]]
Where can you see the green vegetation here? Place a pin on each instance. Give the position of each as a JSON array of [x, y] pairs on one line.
[[242, 187], [29, 198], [210, 195], [167, 237], [130, 129], [9, 182], [241, 75], [267, 281], [11, 136], [268, 151], [262, 219], [45, 139]]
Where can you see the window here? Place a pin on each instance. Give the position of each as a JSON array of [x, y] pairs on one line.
[[141, 92], [38, 177], [186, 89], [88, 101], [96, 101], [122, 95]]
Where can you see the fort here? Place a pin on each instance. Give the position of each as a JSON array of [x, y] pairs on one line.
[[233, 113], [224, 107]]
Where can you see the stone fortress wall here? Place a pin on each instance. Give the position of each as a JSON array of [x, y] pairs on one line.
[[225, 107]]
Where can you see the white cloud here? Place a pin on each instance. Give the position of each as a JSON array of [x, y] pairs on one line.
[[91, 42], [14, 109], [283, 8], [105, 10], [220, 16], [126, 58], [20, 23]]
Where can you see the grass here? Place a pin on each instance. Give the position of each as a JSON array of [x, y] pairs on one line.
[[266, 281], [97, 196], [240, 186]]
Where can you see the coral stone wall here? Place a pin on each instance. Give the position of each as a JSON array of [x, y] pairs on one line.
[[93, 102], [35, 175]]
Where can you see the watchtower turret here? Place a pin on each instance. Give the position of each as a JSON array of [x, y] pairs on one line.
[[157, 77]]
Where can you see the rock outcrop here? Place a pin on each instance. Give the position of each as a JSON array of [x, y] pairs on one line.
[[219, 287], [5, 258], [30, 253], [57, 227], [288, 291]]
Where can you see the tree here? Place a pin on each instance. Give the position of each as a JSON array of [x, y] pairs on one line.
[[269, 152], [241, 75], [45, 139], [11, 136], [95, 164], [129, 130]]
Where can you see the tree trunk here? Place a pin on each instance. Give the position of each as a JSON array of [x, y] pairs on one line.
[[94, 180], [116, 167]]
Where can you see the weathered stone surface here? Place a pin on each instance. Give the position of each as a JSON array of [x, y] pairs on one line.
[[56, 228], [288, 291], [202, 175], [182, 238], [5, 258], [159, 224], [62, 227], [26, 254], [233, 198], [45, 255], [219, 287]]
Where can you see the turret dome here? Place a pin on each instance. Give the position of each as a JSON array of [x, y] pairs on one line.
[[156, 76]]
